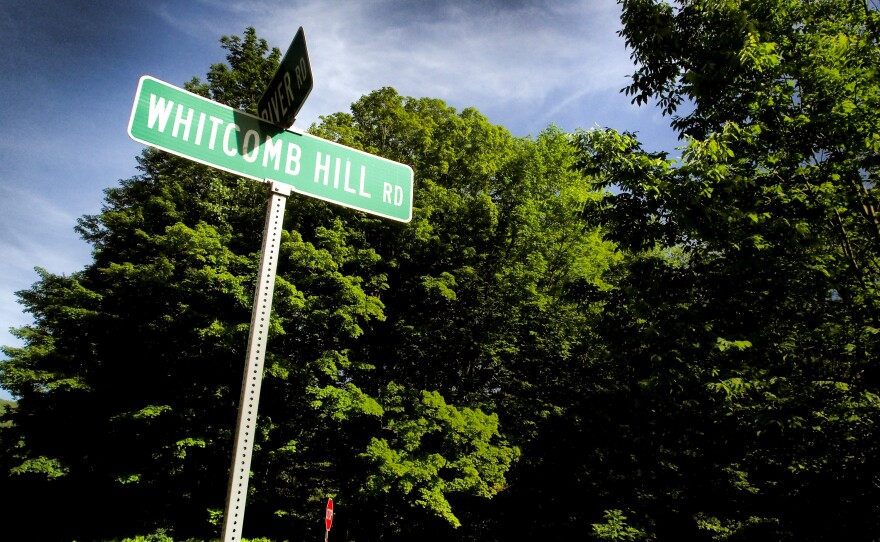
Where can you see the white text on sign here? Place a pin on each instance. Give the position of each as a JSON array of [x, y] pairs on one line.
[[208, 130], [196, 128], [282, 96]]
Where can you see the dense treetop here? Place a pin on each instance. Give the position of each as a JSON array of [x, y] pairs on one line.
[[575, 337]]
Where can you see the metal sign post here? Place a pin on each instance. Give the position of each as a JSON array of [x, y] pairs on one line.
[[191, 126], [239, 474]]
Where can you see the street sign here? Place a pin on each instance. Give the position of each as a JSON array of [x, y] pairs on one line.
[[328, 517], [290, 86], [188, 125]]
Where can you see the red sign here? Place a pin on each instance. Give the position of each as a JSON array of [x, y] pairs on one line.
[[329, 516]]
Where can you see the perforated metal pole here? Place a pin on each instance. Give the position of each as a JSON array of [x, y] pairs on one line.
[[236, 493]]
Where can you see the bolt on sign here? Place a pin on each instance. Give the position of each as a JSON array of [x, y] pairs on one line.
[[191, 126]]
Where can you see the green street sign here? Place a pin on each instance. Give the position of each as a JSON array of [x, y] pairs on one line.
[[290, 86], [188, 125]]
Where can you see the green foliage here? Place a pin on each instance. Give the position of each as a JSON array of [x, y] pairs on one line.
[[573, 338], [743, 315], [433, 449], [6, 407], [241, 83], [615, 528], [406, 363], [159, 536], [42, 466]]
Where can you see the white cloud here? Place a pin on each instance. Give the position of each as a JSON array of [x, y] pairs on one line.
[[492, 56], [34, 232]]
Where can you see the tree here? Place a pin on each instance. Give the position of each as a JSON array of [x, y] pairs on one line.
[[746, 311], [402, 359]]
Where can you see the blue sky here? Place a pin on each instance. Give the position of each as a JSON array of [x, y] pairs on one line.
[[71, 67]]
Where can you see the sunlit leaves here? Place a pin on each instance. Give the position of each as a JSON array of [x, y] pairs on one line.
[[758, 330], [434, 449]]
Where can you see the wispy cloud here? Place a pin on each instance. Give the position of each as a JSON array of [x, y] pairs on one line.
[[34, 232], [491, 55]]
